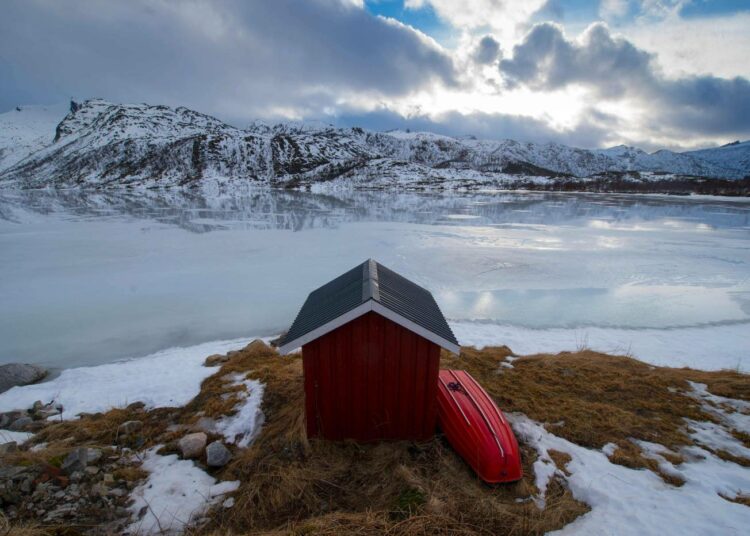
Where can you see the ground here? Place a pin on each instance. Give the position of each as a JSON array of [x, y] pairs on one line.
[[602, 436]]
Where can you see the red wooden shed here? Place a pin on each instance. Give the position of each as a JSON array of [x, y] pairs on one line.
[[371, 344]]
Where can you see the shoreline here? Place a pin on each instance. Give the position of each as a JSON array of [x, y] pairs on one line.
[[652, 346]]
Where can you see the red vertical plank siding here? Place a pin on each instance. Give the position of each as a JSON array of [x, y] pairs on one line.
[[391, 373], [406, 383], [309, 354], [343, 387], [431, 391], [375, 375], [420, 384], [358, 376], [325, 403], [371, 379]]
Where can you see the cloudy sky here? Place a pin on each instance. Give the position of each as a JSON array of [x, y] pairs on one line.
[[654, 73]]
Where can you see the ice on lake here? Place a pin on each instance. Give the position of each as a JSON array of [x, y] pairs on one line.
[[92, 278]]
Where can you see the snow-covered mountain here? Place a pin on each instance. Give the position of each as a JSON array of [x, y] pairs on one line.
[[101, 144]]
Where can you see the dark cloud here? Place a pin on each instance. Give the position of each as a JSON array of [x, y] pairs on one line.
[[487, 50], [545, 59], [221, 57], [615, 68]]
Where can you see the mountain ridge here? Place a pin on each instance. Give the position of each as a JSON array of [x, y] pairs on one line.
[[102, 144]]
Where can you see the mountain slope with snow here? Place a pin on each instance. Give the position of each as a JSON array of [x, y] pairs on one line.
[[101, 144], [26, 129]]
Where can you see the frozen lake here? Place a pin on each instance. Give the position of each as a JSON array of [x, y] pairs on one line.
[[89, 279]]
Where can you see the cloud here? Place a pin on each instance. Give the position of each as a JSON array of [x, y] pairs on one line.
[[717, 45], [613, 9], [224, 57], [613, 68], [506, 19], [592, 130], [547, 60], [487, 50]]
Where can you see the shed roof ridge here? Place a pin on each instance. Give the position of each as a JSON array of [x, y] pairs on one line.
[[370, 283]]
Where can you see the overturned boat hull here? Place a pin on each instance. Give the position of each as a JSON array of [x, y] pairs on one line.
[[476, 428]]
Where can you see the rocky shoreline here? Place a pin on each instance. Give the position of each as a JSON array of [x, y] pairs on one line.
[[87, 474]]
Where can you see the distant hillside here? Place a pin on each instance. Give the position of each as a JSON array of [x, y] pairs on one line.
[[101, 144]]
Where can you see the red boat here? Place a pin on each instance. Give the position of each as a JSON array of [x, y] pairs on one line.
[[476, 428]]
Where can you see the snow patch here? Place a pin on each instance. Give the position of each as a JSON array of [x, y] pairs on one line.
[[702, 348], [638, 502], [242, 427], [6, 436], [176, 493], [734, 413], [170, 377]]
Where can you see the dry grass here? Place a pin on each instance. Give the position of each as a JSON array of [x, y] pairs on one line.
[[6, 529], [561, 459], [290, 485], [593, 399], [294, 486], [739, 499], [100, 429]]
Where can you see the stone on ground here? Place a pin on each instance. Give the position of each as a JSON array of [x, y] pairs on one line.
[[192, 445], [14, 374], [217, 455]]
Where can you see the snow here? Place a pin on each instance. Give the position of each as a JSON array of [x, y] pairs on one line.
[[242, 427], [170, 377], [731, 414], [716, 437], [26, 130], [637, 502], [6, 436], [739, 415], [159, 153], [175, 494], [704, 348]]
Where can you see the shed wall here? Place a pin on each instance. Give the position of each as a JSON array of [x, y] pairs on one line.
[[371, 379]]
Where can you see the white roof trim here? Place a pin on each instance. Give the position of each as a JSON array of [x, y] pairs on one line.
[[369, 305]]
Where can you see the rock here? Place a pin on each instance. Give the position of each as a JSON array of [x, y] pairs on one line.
[[10, 446], [204, 424], [217, 455], [275, 343], [129, 428], [78, 459], [14, 374], [92, 470], [215, 360], [192, 445], [136, 406], [93, 455], [20, 424]]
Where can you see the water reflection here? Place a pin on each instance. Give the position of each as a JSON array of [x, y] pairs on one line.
[[296, 211]]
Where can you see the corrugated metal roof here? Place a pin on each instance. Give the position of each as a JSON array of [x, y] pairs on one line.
[[369, 286]]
